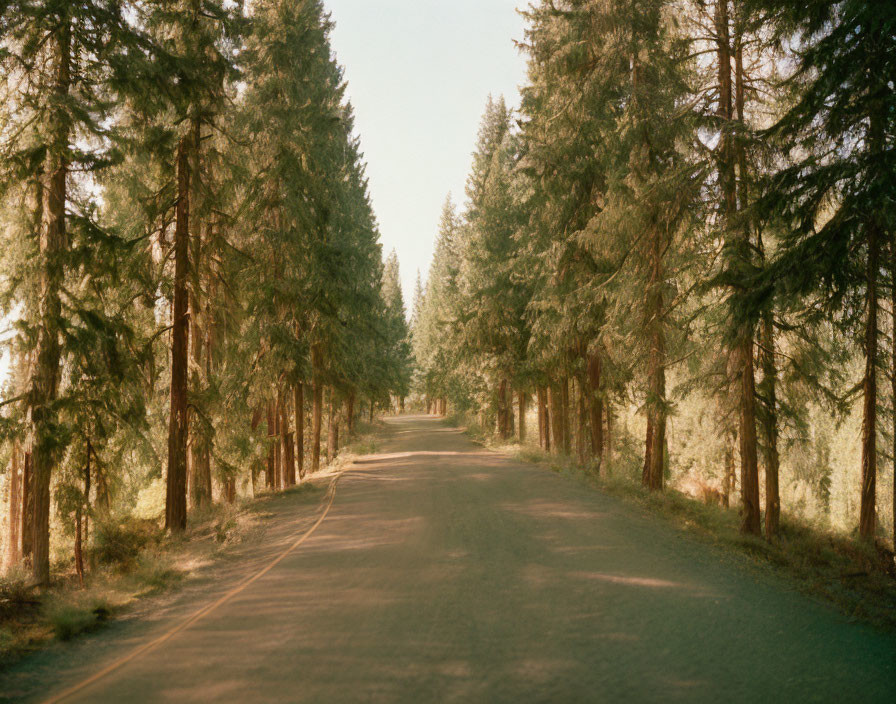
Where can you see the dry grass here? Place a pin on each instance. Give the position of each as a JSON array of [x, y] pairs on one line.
[[130, 560]]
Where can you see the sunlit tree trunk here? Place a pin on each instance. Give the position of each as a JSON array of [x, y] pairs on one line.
[[655, 441], [565, 424], [316, 408], [350, 412], [14, 517], [893, 374], [867, 512], [332, 426], [596, 407], [544, 435], [271, 474], [556, 418], [299, 403], [868, 509], [582, 420], [286, 439], [178, 427], [53, 244], [27, 512]]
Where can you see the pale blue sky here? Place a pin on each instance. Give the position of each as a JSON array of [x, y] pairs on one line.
[[419, 73]]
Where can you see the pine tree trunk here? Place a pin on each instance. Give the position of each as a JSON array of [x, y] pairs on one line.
[[608, 440], [770, 424], [648, 450], [278, 444], [271, 474], [556, 419], [350, 412], [656, 374], [316, 408], [14, 517], [867, 513], [541, 402], [565, 424], [503, 411], [289, 464], [79, 553], [893, 375], [332, 427], [372, 409], [200, 475], [27, 512], [582, 421], [299, 402], [522, 406], [749, 462], [53, 243], [728, 479], [178, 426], [596, 407]]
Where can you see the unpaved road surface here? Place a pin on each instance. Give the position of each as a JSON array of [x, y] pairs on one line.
[[462, 576]]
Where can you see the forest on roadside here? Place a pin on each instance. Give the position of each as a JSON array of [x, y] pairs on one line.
[[677, 257], [191, 273]]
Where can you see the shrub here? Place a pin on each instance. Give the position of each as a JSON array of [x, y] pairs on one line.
[[119, 543], [69, 617], [16, 596]]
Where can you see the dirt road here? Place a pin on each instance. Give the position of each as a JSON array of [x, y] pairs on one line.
[[445, 573]]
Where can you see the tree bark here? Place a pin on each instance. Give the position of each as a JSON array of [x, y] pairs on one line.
[[867, 512], [299, 402], [53, 244], [596, 407], [350, 412], [728, 478], [564, 415], [270, 477], [278, 444], [582, 420], [79, 553], [503, 411], [522, 420], [769, 424], [893, 375], [541, 400], [556, 419], [27, 512], [14, 517], [655, 442], [178, 426], [289, 464], [316, 408], [332, 427]]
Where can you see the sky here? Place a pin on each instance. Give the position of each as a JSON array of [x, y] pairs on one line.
[[418, 75]]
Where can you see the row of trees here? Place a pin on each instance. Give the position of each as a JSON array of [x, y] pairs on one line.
[[695, 200], [191, 265]]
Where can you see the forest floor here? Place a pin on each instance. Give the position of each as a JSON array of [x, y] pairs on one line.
[[438, 571]]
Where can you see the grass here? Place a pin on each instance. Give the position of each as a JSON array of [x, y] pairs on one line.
[[858, 578], [130, 559], [71, 614]]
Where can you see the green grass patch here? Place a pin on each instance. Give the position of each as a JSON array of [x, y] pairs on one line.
[[74, 614]]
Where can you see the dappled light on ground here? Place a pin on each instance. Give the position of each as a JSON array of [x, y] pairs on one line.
[[444, 573]]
